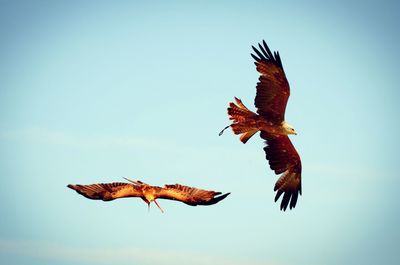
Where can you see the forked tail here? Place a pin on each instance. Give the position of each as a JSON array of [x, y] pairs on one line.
[[244, 121]]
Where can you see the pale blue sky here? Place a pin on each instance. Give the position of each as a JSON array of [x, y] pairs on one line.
[[93, 91]]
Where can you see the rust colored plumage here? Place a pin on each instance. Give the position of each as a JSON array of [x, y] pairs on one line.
[[272, 93], [111, 191]]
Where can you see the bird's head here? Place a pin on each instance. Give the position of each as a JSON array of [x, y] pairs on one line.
[[288, 129]]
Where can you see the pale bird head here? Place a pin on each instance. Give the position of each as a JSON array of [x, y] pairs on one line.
[[288, 128]]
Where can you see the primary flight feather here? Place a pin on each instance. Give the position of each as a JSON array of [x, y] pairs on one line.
[[272, 93], [111, 191]]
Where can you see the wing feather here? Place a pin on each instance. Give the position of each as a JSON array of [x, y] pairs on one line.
[[189, 195], [283, 158], [273, 88], [107, 191]]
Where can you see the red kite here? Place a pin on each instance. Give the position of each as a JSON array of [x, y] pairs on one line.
[[271, 98], [148, 193]]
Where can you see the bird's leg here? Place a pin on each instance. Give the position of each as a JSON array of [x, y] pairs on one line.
[[221, 132], [148, 207], [158, 206]]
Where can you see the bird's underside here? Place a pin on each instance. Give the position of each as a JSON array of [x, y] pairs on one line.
[[272, 93], [111, 191]]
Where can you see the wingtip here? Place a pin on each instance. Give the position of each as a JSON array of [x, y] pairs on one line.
[[217, 199], [278, 195], [223, 196], [255, 58], [289, 200]]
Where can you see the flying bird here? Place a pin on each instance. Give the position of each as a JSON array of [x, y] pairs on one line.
[[111, 191], [272, 93]]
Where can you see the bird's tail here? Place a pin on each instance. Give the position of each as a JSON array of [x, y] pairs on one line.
[[243, 120], [239, 112]]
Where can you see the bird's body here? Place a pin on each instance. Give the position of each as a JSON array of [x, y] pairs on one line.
[[148, 193], [247, 123], [271, 98]]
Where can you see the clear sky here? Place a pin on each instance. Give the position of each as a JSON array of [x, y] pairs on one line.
[[93, 91]]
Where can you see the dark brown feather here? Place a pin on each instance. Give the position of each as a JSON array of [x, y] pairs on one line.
[[189, 195], [273, 88], [107, 191], [283, 158]]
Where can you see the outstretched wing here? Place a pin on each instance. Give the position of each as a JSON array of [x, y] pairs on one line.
[[107, 191], [273, 88], [189, 195], [283, 158]]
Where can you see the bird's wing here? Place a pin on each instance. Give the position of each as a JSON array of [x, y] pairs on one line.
[[189, 195], [273, 88], [107, 191], [283, 158]]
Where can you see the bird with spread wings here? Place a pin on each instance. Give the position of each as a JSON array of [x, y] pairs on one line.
[[272, 93], [111, 191]]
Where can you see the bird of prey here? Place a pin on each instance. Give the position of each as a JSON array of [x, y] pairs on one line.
[[271, 99], [111, 191]]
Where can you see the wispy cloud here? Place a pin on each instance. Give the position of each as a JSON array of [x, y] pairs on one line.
[[54, 137], [111, 255], [45, 136]]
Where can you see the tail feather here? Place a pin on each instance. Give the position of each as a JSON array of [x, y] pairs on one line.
[[243, 120], [240, 104], [239, 128], [246, 136], [238, 114]]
